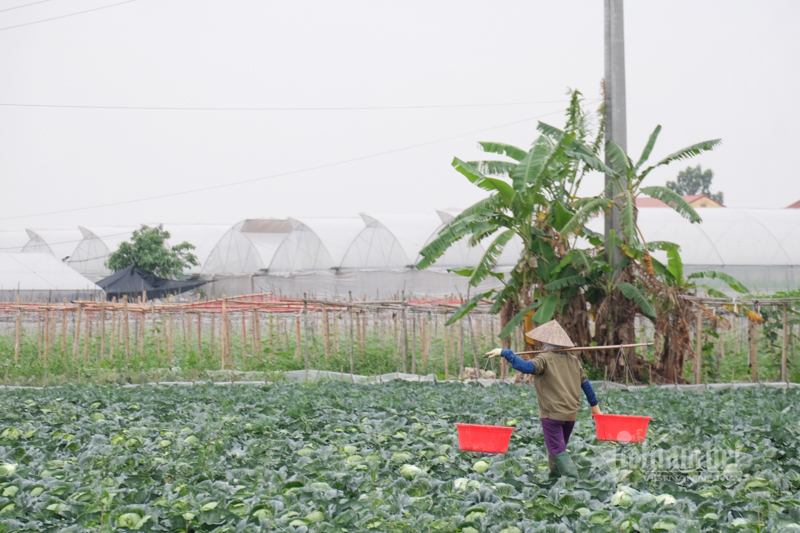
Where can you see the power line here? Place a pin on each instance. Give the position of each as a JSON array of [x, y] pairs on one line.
[[67, 15], [354, 108], [281, 174], [24, 5]]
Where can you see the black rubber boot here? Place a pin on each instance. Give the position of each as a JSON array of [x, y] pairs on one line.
[[565, 465]]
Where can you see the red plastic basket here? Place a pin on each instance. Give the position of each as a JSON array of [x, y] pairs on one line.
[[486, 439], [621, 428]]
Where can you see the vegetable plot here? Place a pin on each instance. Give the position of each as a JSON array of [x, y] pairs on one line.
[[338, 457]]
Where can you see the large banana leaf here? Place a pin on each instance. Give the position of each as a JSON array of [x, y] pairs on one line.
[[528, 171], [732, 282], [448, 235], [554, 133], [685, 153], [494, 168], [690, 151], [504, 149], [714, 292], [587, 157], [674, 200], [618, 157], [590, 209], [627, 217], [484, 182], [632, 293], [648, 148], [490, 257], [468, 306], [547, 308], [662, 245], [514, 322], [675, 264]]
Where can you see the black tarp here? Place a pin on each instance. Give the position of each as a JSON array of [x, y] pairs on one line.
[[133, 281]]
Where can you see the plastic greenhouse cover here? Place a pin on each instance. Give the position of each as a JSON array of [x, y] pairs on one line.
[[59, 242], [39, 272]]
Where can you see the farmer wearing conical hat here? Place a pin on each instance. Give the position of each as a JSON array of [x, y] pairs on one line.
[[558, 378]]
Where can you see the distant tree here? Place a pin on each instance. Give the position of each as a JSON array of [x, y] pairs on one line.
[[148, 250], [694, 180]]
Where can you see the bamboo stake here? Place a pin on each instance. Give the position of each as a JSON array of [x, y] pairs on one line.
[[784, 345], [424, 335], [103, 330], [396, 342], [38, 330], [271, 336], [155, 334], [357, 319], [336, 347], [77, 332], [326, 332], [213, 334], [186, 337], [127, 328], [46, 333], [199, 336], [223, 331], [422, 339], [257, 333], [171, 337], [461, 348], [306, 333], [244, 338], [64, 331], [698, 376], [113, 331], [17, 332], [413, 344], [87, 336], [350, 314], [142, 323], [754, 351], [446, 369], [298, 342], [404, 336], [474, 348]]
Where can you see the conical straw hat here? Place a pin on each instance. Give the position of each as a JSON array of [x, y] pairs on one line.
[[551, 333]]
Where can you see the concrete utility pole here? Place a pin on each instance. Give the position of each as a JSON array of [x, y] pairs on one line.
[[616, 121]]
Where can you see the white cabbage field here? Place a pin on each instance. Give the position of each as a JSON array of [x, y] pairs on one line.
[[335, 457]]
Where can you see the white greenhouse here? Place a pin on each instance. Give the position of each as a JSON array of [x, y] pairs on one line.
[[759, 247], [374, 255], [42, 276]]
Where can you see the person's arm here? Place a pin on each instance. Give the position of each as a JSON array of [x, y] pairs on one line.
[[589, 392], [536, 366]]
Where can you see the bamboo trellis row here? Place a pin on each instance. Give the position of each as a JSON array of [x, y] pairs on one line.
[[263, 324], [118, 330]]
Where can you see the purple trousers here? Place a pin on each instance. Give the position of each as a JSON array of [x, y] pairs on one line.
[[556, 435]]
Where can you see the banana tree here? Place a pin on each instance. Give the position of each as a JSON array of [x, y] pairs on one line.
[[624, 294], [530, 198]]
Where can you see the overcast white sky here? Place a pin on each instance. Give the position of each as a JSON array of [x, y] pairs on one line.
[[702, 69]]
